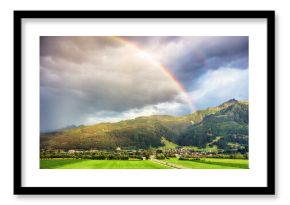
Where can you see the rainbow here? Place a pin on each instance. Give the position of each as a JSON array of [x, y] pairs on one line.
[[163, 68]]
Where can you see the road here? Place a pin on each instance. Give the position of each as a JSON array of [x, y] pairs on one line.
[[168, 164]]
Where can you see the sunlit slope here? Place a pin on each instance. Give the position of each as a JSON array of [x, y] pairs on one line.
[[197, 129]]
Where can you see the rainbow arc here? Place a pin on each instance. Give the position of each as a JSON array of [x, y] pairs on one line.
[[163, 68]]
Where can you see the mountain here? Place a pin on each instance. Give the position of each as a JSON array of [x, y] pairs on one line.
[[224, 126]]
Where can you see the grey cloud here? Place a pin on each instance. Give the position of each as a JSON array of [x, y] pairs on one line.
[[199, 54], [211, 53], [80, 76], [113, 78], [77, 49], [147, 40]]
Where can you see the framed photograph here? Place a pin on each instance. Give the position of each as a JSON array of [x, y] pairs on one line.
[[144, 102]]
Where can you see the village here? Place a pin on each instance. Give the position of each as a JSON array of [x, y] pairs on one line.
[[180, 153]]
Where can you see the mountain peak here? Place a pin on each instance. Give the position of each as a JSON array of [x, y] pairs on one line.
[[228, 103], [233, 100]]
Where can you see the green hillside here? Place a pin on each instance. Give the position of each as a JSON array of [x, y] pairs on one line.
[[228, 123], [227, 129]]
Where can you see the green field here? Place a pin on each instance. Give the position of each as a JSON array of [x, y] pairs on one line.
[[208, 163], [99, 164], [212, 163]]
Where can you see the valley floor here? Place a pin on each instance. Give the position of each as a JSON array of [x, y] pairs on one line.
[[208, 163]]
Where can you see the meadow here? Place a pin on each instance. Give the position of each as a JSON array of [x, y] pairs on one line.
[[99, 164], [208, 163], [211, 163]]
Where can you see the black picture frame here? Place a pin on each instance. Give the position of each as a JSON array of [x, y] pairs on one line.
[[268, 190]]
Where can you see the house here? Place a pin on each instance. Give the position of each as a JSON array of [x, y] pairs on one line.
[[71, 151]]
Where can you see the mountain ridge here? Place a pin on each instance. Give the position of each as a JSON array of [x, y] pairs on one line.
[[147, 131]]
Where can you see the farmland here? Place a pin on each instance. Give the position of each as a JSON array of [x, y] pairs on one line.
[[208, 163], [211, 163], [99, 164]]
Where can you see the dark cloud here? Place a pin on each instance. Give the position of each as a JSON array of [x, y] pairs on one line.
[[85, 78], [199, 54], [210, 53], [76, 49], [83, 75]]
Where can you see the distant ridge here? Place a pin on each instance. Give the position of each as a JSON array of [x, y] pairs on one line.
[[58, 130], [229, 102], [224, 126]]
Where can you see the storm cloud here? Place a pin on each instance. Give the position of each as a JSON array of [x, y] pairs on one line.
[[85, 80], [190, 57]]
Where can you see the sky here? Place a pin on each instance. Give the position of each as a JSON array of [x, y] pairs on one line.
[[92, 79]]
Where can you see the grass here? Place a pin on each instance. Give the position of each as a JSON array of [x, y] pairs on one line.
[[236, 163], [167, 144], [212, 163], [99, 164], [207, 163]]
